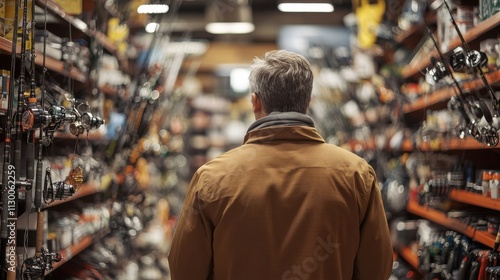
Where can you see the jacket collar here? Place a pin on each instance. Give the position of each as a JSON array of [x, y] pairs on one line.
[[290, 126], [282, 119]]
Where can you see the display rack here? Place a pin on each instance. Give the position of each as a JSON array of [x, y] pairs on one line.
[[64, 70], [485, 26], [415, 113]]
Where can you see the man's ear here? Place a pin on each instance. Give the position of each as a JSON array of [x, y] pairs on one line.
[[256, 103]]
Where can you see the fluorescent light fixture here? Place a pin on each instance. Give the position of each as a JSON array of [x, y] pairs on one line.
[[234, 17], [305, 7], [152, 9], [152, 27], [230, 27]]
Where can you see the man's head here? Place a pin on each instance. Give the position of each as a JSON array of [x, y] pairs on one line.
[[280, 82]]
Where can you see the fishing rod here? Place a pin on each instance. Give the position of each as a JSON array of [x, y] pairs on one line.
[[155, 102], [136, 106], [473, 59], [34, 268], [486, 134], [8, 231]]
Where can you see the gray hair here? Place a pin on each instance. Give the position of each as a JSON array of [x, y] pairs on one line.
[[283, 80]]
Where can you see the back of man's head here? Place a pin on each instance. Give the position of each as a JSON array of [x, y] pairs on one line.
[[283, 81]]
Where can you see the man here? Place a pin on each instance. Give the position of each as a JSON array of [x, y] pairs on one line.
[[285, 205]]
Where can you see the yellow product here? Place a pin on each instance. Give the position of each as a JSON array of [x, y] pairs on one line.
[[72, 7], [118, 34], [10, 26], [369, 15]]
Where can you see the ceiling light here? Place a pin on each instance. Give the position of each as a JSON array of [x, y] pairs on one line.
[[152, 27], [305, 6], [229, 27], [152, 9], [229, 17]]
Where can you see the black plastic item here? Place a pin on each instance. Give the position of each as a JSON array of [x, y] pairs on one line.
[[493, 223]]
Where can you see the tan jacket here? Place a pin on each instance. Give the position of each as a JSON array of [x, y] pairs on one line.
[[283, 206]]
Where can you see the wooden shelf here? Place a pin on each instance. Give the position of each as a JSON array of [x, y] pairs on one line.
[[468, 143], [68, 253], [56, 9], [475, 199], [60, 67], [475, 32], [5, 45], [445, 94], [78, 24], [408, 255], [401, 37], [451, 144], [50, 63], [440, 218], [85, 190], [92, 136], [416, 30]]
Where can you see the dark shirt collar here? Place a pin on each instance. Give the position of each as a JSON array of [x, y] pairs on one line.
[[282, 119]]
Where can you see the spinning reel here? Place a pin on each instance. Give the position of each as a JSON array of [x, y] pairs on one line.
[[35, 267], [61, 190]]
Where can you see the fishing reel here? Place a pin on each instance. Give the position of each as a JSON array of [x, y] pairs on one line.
[[61, 190], [76, 128], [90, 122], [60, 115], [487, 134], [84, 122], [459, 59], [436, 73], [490, 136], [35, 267], [34, 116]]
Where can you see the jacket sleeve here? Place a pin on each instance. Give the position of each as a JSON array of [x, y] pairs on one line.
[[374, 257], [190, 255]]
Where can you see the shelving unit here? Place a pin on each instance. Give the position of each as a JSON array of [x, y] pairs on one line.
[[65, 25], [469, 149]]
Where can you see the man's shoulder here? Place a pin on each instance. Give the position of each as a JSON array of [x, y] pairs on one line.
[[230, 157]]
